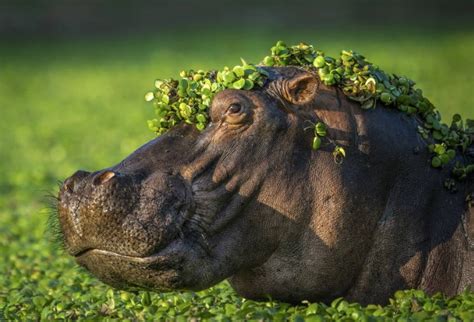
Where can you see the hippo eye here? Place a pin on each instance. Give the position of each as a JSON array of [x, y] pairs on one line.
[[234, 108]]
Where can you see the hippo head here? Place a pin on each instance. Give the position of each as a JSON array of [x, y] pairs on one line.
[[189, 209], [248, 199]]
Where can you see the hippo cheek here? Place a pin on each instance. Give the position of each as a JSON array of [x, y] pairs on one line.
[[159, 272]]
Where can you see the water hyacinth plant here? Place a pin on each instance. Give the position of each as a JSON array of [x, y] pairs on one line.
[[188, 98]]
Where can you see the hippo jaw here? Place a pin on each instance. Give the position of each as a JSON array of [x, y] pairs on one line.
[[154, 272]]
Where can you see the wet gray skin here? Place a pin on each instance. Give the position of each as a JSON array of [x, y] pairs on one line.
[[248, 200]]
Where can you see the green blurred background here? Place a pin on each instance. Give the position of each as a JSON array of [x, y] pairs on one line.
[[73, 75]]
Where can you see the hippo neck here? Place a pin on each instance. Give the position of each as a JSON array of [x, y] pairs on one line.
[[467, 278], [449, 266]]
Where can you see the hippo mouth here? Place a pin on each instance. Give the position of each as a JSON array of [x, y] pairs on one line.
[[159, 271], [148, 259], [138, 259]]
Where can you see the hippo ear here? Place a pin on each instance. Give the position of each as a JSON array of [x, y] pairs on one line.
[[301, 89]]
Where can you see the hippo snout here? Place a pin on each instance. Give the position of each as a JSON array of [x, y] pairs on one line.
[[123, 214]]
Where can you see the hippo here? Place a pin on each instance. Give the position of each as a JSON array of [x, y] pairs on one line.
[[248, 200]]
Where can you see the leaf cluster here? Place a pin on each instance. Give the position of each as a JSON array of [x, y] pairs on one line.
[[188, 99]]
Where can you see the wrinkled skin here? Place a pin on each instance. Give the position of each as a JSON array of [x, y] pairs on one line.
[[249, 200]]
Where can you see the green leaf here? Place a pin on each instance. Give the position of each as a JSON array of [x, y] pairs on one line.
[[444, 158], [319, 62], [201, 118], [312, 308], [316, 143], [439, 148], [239, 84], [436, 162], [185, 110], [339, 154], [368, 104], [341, 151], [183, 84], [149, 96], [268, 61], [248, 85], [386, 98], [329, 79], [239, 71], [320, 129], [437, 135], [146, 299], [158, 83], [229, 77]]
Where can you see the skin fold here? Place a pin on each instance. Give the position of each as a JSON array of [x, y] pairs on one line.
[[248, 200]]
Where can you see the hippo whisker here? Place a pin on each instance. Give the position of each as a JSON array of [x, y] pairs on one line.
[[53, 228]]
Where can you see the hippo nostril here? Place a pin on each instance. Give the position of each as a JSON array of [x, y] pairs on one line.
[[103, 177], [71, 182], [69, 185]]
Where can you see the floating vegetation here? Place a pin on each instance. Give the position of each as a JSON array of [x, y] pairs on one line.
[[188, 98]]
